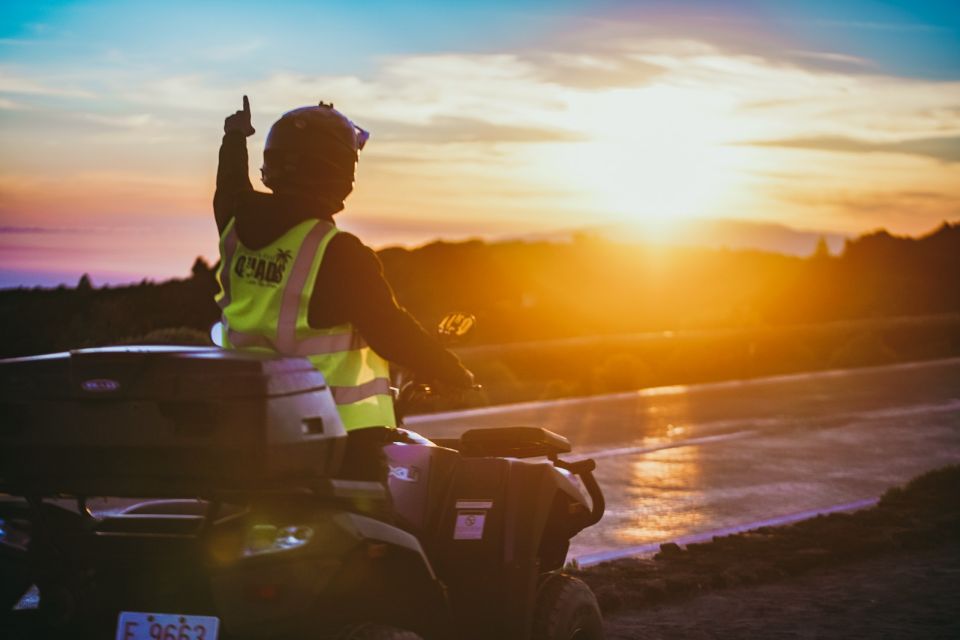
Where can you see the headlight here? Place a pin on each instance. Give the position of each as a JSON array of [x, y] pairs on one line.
[[14, 533], [268, 538]]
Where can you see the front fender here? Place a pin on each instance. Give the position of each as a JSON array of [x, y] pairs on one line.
[[355, 568]]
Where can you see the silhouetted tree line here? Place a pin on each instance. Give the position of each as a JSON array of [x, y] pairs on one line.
[[527, 291], [46, 320], [541, 290]]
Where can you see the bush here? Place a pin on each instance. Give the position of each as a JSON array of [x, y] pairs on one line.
[[861, 350], [172, 335], [499, 381], [620, 372]]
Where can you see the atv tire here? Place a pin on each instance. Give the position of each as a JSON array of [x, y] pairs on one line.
[[371, 631], [566, 609]]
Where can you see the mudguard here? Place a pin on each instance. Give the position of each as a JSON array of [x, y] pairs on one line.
[[355, 568]]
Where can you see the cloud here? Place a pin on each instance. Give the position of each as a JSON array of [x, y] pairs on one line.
[[907, 27], [535, 90], [17, 230], [448, 129], [593, 71], [826, 61], [12, 82], [178, 93], [832, 57], [944, 149], [132, 121], [620, 110], [886, 203]]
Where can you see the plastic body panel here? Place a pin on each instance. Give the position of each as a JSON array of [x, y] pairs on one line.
[[493, 577], [459, 556], [358, 568], [160, 421], [492, 569], [354, 568], [418, 480]]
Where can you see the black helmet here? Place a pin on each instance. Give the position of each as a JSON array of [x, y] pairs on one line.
[[313, 151]]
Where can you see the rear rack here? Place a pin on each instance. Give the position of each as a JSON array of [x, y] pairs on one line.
[[168, 516]]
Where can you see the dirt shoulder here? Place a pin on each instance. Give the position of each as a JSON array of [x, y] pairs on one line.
[[902, 595], [892, 571]]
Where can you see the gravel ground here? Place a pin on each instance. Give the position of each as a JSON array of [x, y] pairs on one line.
[[892, 571], [905, 595]]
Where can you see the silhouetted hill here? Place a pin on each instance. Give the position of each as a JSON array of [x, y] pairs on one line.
[[540, 290], [738, 234], [524, 291], [877, 275]]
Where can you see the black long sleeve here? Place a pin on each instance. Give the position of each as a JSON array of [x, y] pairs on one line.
[[233, 181], [350, 285]]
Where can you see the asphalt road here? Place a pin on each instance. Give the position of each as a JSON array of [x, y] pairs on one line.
[[683, 461]]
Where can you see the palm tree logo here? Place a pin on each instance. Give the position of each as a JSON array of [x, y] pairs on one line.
[[283, 256]]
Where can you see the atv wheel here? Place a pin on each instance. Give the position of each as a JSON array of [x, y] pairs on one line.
[[566, 609], [371, 631]]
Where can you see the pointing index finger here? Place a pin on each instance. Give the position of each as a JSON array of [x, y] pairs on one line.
[[246, 105]]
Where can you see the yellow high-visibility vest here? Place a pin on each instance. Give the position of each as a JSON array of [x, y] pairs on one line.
[[265, 298]]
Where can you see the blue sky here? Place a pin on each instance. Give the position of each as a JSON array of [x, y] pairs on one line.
[[910, 38], [319, 36]]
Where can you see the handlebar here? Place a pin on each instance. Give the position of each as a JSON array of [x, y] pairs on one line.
[[584, 469], [412, 392]]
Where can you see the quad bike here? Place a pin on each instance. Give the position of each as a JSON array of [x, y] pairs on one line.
[[228, 515]]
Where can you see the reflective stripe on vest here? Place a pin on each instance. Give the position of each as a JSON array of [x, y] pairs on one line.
[[349, 395], [305, 347], [265, 306]]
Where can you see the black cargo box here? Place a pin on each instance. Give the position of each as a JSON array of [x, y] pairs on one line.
[[165, 421]]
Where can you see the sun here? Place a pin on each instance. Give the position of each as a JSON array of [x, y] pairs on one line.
[[650, 157], [653, 180]]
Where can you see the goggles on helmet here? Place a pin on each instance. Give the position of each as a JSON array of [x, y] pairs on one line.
[[362, 135]]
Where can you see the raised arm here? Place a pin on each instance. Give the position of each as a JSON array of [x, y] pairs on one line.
[[233, 180]]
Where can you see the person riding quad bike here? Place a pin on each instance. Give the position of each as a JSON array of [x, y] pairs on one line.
[[219, 473], [292, 283]]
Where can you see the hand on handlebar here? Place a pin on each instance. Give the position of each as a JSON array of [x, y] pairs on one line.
[[447, 390], [416, 396], [416, 392], [466, 381]]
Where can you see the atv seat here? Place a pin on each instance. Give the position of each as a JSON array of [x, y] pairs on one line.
[[512, 442]]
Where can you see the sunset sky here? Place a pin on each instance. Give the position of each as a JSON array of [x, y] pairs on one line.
[[488, 119]]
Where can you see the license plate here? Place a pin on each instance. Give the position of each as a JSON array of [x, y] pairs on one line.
[[133, 625]]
